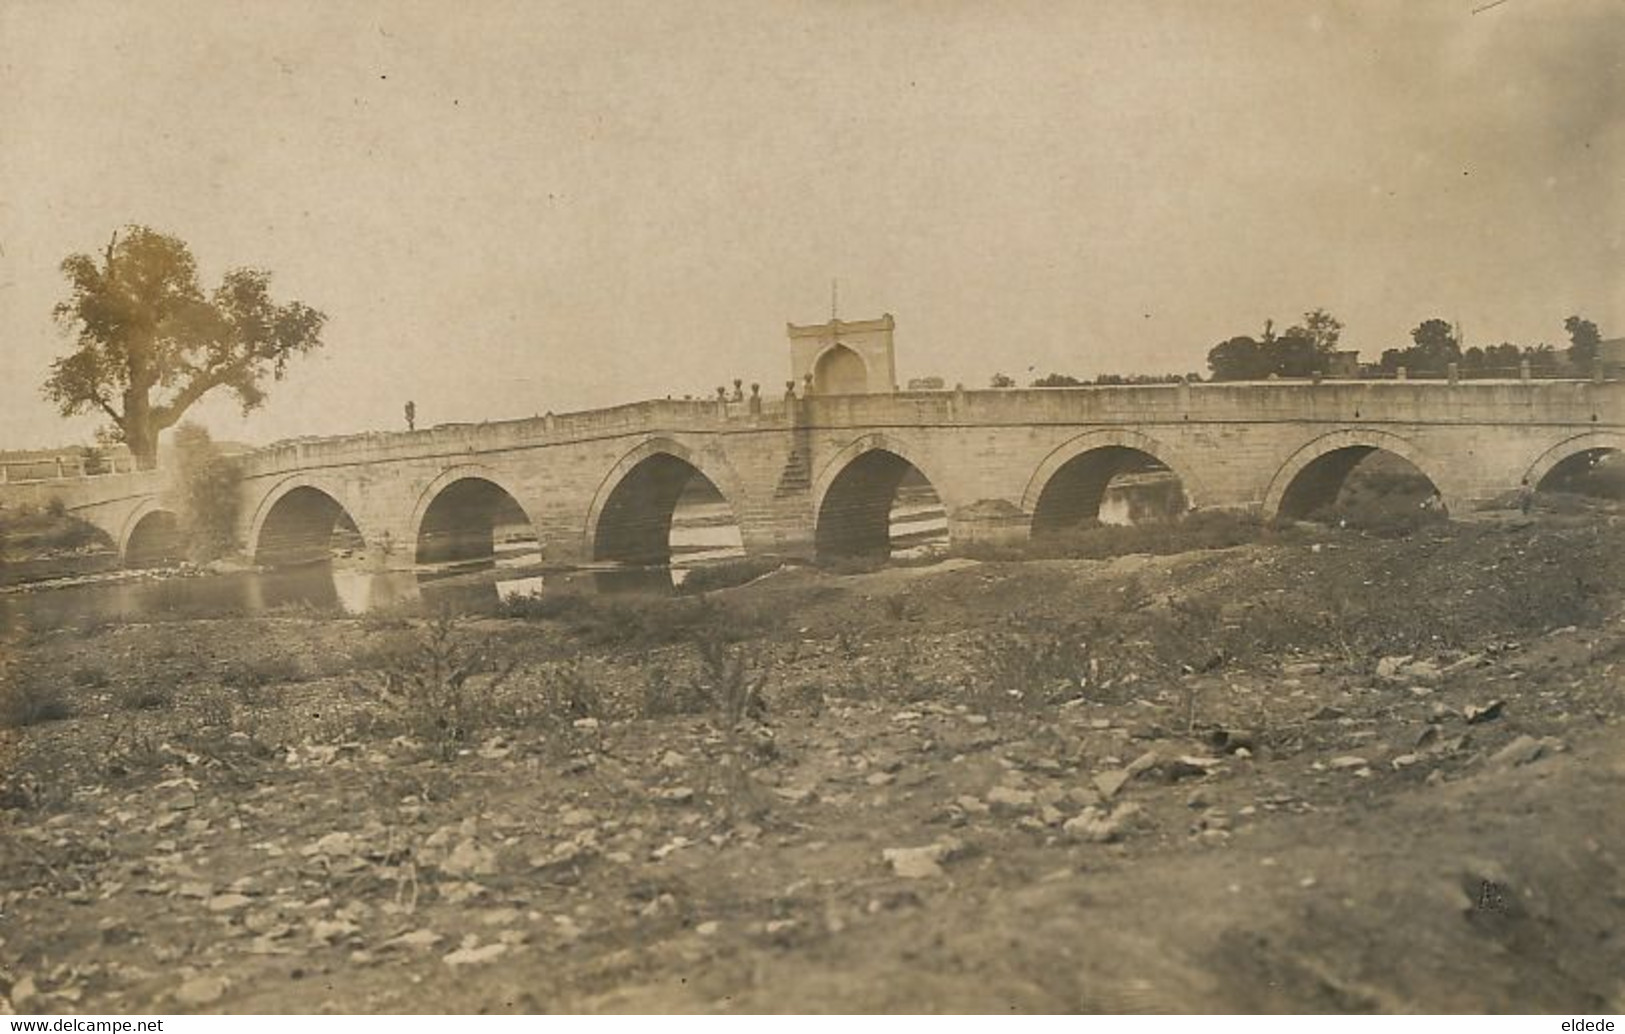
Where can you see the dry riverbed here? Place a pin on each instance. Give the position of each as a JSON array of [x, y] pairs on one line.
[[1325, 772]]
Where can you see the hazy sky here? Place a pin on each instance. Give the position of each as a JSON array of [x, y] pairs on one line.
[[513, 207]]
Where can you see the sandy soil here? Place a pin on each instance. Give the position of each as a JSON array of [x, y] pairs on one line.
[[1323, 773]]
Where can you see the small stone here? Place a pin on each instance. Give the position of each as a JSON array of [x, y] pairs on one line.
[[414, 939], [1110, 781], [1390, 667], [1299, 669], [1143, 764], [23, 991], [917, 863], [1520, 751], [707, 928], [1348, 761], [1488, 713], [1421, 671], [330, 930], [228, 902], [675, 795], [1098, 827], [333, 845], [585, 724], [201, 991], [1010, 798], [472, 956], [1405, 761], [470, 859]]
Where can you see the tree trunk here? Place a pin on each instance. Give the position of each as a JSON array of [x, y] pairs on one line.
[[139, 433]]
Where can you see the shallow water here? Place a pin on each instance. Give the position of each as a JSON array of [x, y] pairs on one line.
[[341, 587]]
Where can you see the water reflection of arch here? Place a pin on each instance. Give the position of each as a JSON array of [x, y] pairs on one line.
[[435, 491], [1591, 442], [630, 516], [1328, 460], [1117, 449], [853, 492], [311, 522]]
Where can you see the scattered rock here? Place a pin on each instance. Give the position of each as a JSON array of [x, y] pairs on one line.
[[1299, 669], [414, 939], [1520, 751], [473, 956], [1488, 713], [1188, 765], [1010, 798], [333, 845], [470, 859], [675, 795], [228, 902], [1348, 761], [1390, 667], [1110, 781], [23, 992], [1096, 826], [917, 863], [201, 991], [1143, 764]]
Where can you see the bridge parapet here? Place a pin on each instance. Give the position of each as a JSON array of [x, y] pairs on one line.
[[1408, 402]]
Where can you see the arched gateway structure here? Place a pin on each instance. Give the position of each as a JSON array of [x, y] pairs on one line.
[[814, 473]]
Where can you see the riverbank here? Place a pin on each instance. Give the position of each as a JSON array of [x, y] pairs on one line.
[[1328, 772]]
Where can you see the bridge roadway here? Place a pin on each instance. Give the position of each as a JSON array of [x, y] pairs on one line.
[[816, 476]]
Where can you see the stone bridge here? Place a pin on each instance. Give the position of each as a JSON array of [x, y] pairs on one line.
[[816, 476]]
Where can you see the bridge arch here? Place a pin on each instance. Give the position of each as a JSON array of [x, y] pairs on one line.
[[1313, 475], [456, 515], [295, 521], [854, 492], [150, 537], [1071, 482], [630, 519], [1566, 454]]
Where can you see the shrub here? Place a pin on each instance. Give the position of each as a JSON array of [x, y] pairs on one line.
[[428, 680], [209, 496], [25, 700]]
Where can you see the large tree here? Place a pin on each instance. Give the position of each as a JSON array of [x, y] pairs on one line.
[[1584, 339], [150, 343]]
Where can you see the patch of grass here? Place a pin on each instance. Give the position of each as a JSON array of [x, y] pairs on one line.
[[146, 698], [27, 699], [89, 676], [259, 672], [440, 684], [1032, 661]]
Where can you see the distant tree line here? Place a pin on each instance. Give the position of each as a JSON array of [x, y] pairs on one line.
[[1436, 344], [1300, 351]]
